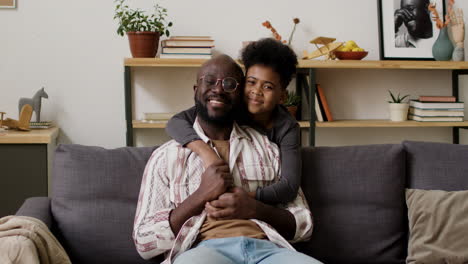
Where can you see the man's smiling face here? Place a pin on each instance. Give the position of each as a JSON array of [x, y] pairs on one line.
[[213, 103]]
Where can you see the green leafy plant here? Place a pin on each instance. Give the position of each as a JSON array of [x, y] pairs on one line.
[[292, 99], [133, 20], [397, 99]]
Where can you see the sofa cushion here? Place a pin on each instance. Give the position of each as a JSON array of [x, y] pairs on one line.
[[94, 197], [438, 226], [437, 166], [357, 198]]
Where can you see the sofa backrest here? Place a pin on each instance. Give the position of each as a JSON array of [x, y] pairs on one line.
[[357, 198], [436, 166], [94, 197]]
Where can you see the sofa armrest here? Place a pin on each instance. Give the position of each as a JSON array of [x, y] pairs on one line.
[[37, 207]]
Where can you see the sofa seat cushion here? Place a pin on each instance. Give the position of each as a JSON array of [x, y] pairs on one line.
[[94, 197], [437, 166], [357, 198]]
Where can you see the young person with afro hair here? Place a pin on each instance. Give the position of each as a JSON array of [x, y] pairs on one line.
[[270, 66]]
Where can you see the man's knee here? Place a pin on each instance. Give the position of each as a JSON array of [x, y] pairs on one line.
[[289, 256], [202, 255]]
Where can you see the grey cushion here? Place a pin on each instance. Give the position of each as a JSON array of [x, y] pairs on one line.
[[437, 166], [357, 198], [94, 197]]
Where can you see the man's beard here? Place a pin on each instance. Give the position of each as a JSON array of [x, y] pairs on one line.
[[219, 121]]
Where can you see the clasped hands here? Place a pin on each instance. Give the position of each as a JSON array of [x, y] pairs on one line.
[[223, 201]]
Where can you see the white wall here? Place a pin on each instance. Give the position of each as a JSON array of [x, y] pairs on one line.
[[71, 48]]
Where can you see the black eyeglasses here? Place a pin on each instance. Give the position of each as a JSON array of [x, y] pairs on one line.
[[229, 84]]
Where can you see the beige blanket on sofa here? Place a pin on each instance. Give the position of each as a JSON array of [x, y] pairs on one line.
[[28, 240]]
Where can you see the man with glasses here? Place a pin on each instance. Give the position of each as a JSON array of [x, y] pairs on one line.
[[178, 197]]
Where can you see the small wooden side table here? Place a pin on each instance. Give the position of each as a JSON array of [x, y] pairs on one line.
[[25, 166]]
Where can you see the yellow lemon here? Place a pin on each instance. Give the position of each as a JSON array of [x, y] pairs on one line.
[[351, 44], [341, 48], [355, 49], [346, 49]]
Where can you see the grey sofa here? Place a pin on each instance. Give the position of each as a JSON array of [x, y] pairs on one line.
[[356, 195]]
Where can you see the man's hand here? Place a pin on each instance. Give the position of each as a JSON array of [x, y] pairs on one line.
[[402, 15], [236, 204], [215, 181]]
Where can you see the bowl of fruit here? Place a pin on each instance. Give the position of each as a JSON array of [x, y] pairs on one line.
[[350, 51]]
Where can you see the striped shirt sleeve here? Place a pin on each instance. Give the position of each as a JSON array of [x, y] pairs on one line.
[[303, 217], [152, 233]]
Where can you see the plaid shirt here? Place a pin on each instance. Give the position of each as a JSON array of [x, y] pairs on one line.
[[173, 173]]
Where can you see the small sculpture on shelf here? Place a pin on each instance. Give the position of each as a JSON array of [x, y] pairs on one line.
[[35, 102], [22, 123], [457, 26], [327, 49]]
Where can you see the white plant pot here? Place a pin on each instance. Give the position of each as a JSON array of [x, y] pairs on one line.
[[398, 112]]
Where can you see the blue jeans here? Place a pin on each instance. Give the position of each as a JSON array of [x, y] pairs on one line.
[[234, 250]]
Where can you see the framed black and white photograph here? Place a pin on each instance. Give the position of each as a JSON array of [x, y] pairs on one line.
[[407, 30], [7, 3]]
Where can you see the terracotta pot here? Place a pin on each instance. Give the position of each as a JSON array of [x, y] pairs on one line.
[[292, 110], [143, 44]]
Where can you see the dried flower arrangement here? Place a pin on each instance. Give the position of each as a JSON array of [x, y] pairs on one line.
[[435, 15], [276, 35]]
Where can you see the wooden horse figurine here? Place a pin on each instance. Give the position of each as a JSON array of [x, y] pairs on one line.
[[35, 102]]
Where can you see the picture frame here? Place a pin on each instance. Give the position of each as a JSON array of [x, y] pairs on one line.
[[7, 3], [404, 38]]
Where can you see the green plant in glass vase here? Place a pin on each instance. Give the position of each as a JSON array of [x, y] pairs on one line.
[[143, 30]]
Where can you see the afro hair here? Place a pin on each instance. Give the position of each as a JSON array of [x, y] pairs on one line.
[[271, 53]]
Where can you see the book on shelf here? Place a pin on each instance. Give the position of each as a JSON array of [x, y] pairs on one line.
[[185, 56], [158, 116], [183, 50], [435, 113], [437, 105], [188, 41], [324, 103], [318, 111], [435, 118], [190, 37], [41, 124], [431, 98]]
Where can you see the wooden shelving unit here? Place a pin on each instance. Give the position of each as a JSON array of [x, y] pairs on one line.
[[308, 67], [387, 123], [34, 136], [339, 123], [317, 64]]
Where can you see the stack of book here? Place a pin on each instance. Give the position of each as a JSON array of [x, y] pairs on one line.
[[157, 117], [187, 47], [436, 109], [41, 124]]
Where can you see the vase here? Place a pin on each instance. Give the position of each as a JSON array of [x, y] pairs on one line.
[[292, 110], [442, 49], [143, 44], [398, 111]]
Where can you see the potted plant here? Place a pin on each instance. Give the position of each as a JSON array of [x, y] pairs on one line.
[[398, 109], [143, 30], [291, 102]]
